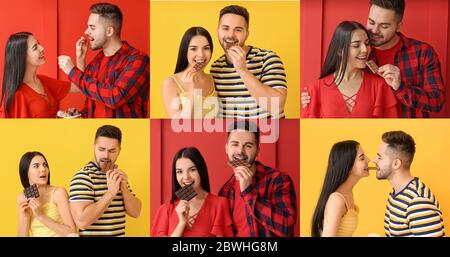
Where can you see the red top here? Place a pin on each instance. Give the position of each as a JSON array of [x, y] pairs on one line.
[[213, 219], [373, 100], [28, 103], [387, 56], [239, 217]]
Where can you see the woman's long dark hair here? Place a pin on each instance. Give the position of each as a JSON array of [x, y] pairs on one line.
[[340, 163], [337, 55], [24, 166], [14, 70], [196, 157], [182, 61]]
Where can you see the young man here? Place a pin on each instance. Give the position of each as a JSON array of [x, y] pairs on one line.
[[116, 82], [263, 201], [412, 209], [410, 67], [99, 193], [251, 82]]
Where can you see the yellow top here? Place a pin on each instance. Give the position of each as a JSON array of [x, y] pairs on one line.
[[50, 209], [208, 107], [349, 222]]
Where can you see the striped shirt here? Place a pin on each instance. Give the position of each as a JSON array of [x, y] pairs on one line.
[[234, 98], [89, 185], [414, 211]]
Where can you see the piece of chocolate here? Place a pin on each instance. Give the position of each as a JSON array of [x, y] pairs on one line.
[[237, 163], [186, 192], [31, 191], [372, 66]]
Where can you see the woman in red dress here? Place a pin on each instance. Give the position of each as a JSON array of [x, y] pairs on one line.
[[205, 215], [24, 93], [345, 89]]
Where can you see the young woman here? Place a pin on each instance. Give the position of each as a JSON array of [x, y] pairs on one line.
[[336, 213], [206, 215], [24, 93], [190, 92], [345, 89], [49, 214]]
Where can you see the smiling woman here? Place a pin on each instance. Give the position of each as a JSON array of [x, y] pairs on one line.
[[344, 89], [25, 94], [205, 214]]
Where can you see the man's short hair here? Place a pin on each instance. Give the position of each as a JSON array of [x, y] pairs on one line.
[[110, 12], [398, 6], [236, 9], [401, 143], [109, 132], [247, 126]]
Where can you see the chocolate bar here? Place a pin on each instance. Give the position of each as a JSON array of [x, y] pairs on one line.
[[372, 66], [186, 193], [237, 163], [31, 192]]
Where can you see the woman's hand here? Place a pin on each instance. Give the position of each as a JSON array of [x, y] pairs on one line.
[[182, 210], [35, 206], [189, 77], [24, 211]]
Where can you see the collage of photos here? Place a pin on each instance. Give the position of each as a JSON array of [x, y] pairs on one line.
[[249, 119]]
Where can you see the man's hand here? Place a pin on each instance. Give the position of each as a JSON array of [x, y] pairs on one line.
[[244, 176], [113, 181], [124, 180], [65, 63], [238, 57], [81, 48], [391, 75]]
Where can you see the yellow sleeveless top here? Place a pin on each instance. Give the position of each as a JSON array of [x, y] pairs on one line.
[[37, 229], [349, 222], [208, 107]]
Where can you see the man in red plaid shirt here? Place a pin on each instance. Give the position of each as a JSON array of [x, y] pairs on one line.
[[410, 67], [116, 83], [263, 201]]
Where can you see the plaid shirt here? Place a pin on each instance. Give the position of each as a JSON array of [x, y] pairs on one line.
[[270, 202], [123, 91], [422, 88]]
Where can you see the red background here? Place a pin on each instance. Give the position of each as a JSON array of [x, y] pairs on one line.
[[165, 143], [58, 24], [424, 20]]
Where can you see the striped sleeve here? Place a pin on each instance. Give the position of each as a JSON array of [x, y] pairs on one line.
[[425, 218], [81, 188], [273, 73]]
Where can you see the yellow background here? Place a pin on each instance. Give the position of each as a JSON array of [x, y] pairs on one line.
[[68, 146], [430, 164], [274, 25]]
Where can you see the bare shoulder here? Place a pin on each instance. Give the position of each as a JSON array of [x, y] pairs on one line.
[[335, 204], [60, 194]]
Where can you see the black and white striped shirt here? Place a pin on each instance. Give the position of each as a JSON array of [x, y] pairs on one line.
[[234, 98]]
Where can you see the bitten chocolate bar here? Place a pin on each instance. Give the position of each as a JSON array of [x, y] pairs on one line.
[[186, 193], [31, 192], [237, 163]]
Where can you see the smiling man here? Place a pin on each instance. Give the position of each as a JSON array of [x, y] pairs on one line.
[[263, 200], [116, 83], [412, 209], [250, 81], [410, 67]]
